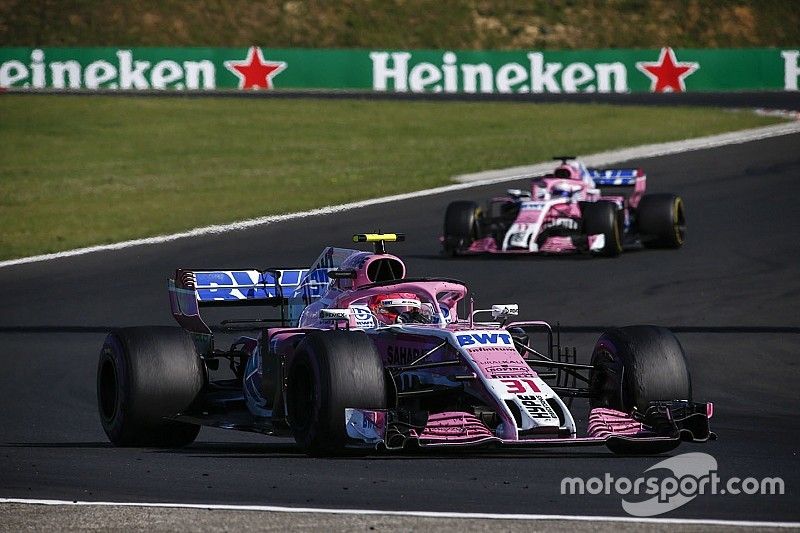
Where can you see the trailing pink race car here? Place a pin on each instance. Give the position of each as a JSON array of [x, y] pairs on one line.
[[363, 357], [574, 209]]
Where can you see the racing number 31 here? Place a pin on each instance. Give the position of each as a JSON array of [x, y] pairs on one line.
[[520, 386]]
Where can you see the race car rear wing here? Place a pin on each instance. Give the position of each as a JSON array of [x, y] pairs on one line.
[[628, 182], [615, 177], [193, 289], [290, 289]]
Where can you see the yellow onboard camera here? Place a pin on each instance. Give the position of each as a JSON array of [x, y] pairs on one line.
[[380, 239]]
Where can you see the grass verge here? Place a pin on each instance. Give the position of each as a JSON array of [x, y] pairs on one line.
[[77, 171]]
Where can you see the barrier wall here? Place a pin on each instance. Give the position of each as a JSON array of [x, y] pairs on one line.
[[523, 71]]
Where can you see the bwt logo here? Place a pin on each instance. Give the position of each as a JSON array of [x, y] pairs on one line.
[[243, 284], [483, 339]]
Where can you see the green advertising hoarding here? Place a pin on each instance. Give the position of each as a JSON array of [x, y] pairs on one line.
[[524, 71]]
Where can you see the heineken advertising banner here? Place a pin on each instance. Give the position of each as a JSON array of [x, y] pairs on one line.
[[525, 71]]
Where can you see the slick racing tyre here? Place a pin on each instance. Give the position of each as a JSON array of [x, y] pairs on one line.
[[145, 374], [330, 372], [461, 226], [636, 365], [661, 220], [603, 217]]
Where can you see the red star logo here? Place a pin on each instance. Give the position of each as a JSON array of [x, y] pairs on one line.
[[666, 74], [255, 72]]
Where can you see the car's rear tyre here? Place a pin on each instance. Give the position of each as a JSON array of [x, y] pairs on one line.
[[145, 374], [661, 219], [636, 365], [330, 372], [603, 217], [461, 226]]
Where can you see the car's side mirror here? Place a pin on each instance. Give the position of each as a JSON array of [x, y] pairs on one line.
[[334, 315], [504, 310], [518, 193]]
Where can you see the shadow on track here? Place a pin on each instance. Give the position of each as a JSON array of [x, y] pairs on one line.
[[288, 450], [564, 329], [56, 445]]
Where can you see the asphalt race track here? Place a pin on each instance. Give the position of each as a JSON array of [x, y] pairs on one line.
[[732, 294]]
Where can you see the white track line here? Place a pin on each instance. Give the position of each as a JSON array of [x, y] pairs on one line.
[[466, 182], [421, 514]]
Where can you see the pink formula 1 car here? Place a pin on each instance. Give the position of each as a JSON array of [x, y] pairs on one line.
[[574, 209], [363, 357]]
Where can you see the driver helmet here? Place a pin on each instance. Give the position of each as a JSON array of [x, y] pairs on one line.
[[395, 307]]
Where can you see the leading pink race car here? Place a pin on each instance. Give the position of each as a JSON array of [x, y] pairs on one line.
[[574, 209], [363, 357]]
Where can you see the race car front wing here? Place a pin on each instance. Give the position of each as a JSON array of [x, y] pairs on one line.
[[660, 428]]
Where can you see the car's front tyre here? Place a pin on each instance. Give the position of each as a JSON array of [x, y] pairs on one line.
[[331, 371], [603, 217], [632, 367], [636, 365]]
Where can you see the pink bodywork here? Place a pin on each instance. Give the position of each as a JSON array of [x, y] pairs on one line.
[[455, 428], [498, 363], [496, 360], [553, 245], [446, 294], [545, 189], [604, 424]]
